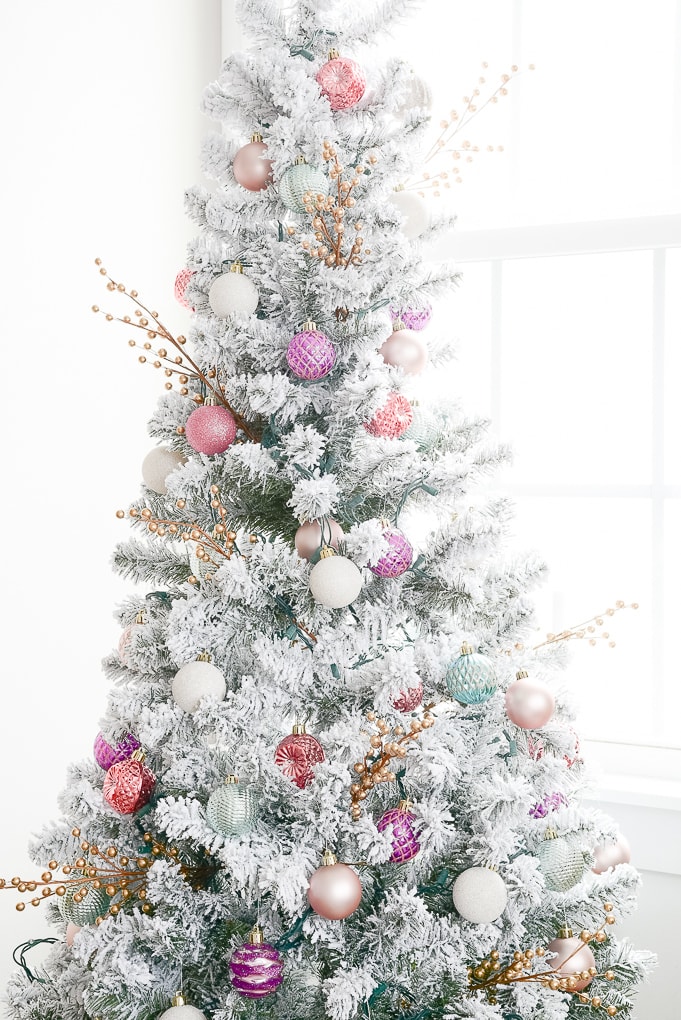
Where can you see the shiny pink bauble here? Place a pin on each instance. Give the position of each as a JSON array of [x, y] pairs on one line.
[[250, 169], [128, 786], [342, 81], [529, 704], [335, 891], [609, 855], [210, 429], [566, 964], [308, 540], [405, 349], [71, 932], [409, 699]]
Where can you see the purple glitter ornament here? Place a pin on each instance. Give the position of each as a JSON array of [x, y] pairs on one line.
[[310, 354], [398, 557], [405, 838], [256, 967], [413, 318], [551, 802], [107, 754]]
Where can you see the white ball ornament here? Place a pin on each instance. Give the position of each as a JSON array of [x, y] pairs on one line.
[[480, 895], [233, 292], [414, 212], [335, 581], [197, 680], [181, 1010], [157, 465]]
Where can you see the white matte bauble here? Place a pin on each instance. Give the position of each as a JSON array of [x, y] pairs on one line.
[[181, 1010], [157, 465], [197, 680], [335, 581], [480, 895], [233, 292], [414, 213]]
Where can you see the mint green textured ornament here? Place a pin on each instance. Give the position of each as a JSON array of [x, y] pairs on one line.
[[471, 679], [562, 865], [298, 180], [232, 809], [424, 429], [95, 904]]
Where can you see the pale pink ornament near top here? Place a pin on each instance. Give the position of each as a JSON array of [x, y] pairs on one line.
[[404, 349], [342, 81], [251, 170]]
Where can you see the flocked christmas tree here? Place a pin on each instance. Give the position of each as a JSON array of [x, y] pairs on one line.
[[333, 779]]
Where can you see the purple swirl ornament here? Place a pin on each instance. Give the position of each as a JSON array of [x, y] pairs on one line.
[[551, 802], [398, 557], [405, 837], [310, 354], [107, 754], [413, 318], [256, 967]]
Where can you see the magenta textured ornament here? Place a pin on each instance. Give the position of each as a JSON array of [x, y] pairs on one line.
[[609, 855], [107, 754], [405, 836], [551, 802], [342, 81], [409, 699], [413, 318], [310, 354], [398, 557], [404, 349], [529, 704], [256, 968], [310, 539], [129, 784], [181, 281], [393, 419], [572, 957], [210, 429], [297, 754], [335, 890], [251, 170]]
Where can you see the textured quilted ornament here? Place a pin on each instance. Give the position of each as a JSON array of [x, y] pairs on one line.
[[310, 353], [342, 81], [393, 419], [129, 784], [256, 968], [471, 678], [413, 318], [181, 283], [300, 180], [107, 754], [232, 809], [297, 754], [94, 904], [404, 833], [397, 559], [424, 429], [562, 865]]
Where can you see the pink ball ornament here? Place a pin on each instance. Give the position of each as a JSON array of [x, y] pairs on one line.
[[393, 419], [251, 170], [405, 834], [335, 890], [310, 353], [529, 704], [210, 429], [609, 855], [413, 318], [129, 784], [342, 81], [397, 559], [311, 536], [572, 957], [126, 637], [71, 932], [181, 282], [409, 699], [404, 349], [297, 754]]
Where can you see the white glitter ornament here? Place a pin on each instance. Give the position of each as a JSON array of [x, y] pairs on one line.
[[197, 680], [480, 895], [335, 581], [157, 465], [181, 1010], [233, 292], [413, 210]]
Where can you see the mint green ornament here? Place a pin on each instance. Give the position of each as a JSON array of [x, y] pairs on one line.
[[562, 865], [232, 809], [298, 180], [471, 679], [94, 904]]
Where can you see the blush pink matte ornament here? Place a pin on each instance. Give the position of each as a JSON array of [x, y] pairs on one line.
[[342, 81], [393, 419], [309, 538], [310, 354], [181, 281], [573, 957], [529, 704], [335, 890], [297, 753], [609, 855], [404, 349], [409, 699], [210, 429], [71, 932], [250, 169]]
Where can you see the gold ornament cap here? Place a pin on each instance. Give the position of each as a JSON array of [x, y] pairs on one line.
[[404, 805], [309, 325], [398, 324], [256, 137], [236, 267], [209, 400], [299, 161], [138, 755], [257, 937], [466, 649], [326, 552], [178, 999], [521, 674], [140, 618], [203, 657], [231, 780], [333, 54], [329, 858], [298, 728], [399, 187], [550, 834], [565, 933]]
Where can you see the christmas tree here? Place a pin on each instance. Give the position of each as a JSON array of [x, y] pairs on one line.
[[334, 777]]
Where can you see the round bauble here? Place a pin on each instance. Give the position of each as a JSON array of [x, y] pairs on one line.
[[412, 318], [562, 865], [126, 638], [311, 536], [572, 757], [334, 581], [94, 904], [157, 465], [181, 1010], [232, 809], [299, 181], [251, 170], [181, 283], [129, 784], [417, 95], [256, 968], [480, 895], [310, 354], [210, 429], [405, 841], [195, 681], [71, 932], [471, 678], [342, 81], [397, 559], [335, 890], [404, 349], [529, 704], [572, 957], [107, 754], [233, 293], [392, 420], [424, 429], [551, 802], [413, 211], [409, 699], [609, 855], [297, 754]]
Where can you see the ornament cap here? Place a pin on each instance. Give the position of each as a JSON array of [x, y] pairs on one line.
[[203, 657], [399, 187], [309, 325], [231, 780], [326, 552], [236, 267], [404, 805], [178, 999], [138, 755], [257, 937], [565, 933], [397, 325], [329, 858], [550, 834], [466, 649], [209, 400], [298, 728], [521, 674], [256, 137], [299, 161], [333, 54], [140, 618]]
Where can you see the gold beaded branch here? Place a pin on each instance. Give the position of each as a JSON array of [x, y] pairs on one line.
[[491, 974], [587, 631], [386, 745]]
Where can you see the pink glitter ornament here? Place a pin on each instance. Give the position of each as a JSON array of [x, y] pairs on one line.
[[551, 802], [297, 754], [405, 837], [393, 419], [342, 81], [398, 557], [107, 754], [250, 169], [129, 784], [572, 957], [181, 281], [256, 968], [210, 429], [413, 318], [409, 699], [404, 349], [310, 354]]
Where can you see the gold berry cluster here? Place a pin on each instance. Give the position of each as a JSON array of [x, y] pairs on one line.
[[386, 744]]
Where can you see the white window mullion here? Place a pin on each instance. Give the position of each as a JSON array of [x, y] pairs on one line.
[[657, 680]]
